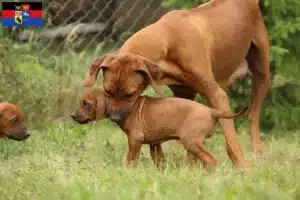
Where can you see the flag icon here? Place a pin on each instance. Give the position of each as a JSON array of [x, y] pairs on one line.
[[25, 11], [22, 14], [18, 17]]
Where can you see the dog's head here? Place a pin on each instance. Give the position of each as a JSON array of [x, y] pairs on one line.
[[12, 122], [125, 77], [91, 107]]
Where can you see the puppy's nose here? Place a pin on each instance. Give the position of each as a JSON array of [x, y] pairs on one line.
[[115, 117], [73, 116], [27, 135]]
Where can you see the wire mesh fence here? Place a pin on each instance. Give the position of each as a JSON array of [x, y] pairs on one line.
[[49, 82], [41, 68], [81, 24]]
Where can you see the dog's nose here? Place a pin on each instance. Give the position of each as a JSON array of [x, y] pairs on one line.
[[115, 117], [26, 133], [73, 116]]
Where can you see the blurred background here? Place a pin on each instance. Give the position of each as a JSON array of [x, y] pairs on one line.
[[41, 69]]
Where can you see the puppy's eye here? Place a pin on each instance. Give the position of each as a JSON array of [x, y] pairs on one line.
[[85, 104], [15, 120], [141, 73], [104, 69], [108, 92], [128, 95]]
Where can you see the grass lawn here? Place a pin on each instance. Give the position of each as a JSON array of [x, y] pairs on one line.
[[64, 160], [85, 162]]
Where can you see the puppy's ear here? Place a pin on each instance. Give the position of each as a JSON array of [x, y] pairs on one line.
[[3, 107], [95, 67], [100, 106], [152, 72]]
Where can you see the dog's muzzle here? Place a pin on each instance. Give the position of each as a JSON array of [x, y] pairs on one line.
[[20, 136], [73, 116], [85, 121]]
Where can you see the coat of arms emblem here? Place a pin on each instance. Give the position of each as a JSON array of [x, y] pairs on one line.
[[18, 15]]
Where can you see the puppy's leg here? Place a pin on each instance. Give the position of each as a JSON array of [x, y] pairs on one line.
[[196, 147], [157, 154], [134, 149], [184, 92], [190, 159], [208, 160], [258, 60]]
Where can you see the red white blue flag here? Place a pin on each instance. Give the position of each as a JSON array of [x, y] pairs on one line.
[[22, 14]]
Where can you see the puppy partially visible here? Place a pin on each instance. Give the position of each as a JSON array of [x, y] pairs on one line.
[[12, 122], [156, 120]]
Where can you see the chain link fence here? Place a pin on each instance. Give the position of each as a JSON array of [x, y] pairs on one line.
[[82, 24], [41, 68], [38, 71]]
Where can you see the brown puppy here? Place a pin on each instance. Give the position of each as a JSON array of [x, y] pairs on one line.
[[12, 122], [156, 120], [193, 51]]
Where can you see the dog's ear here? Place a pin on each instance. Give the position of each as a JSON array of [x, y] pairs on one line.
[[3, 107], [98, 103], [100, 108], [152, 72], [95, 67]]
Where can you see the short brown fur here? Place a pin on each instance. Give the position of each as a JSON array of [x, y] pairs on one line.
[[193, 51], [12, 122], [156, 120]]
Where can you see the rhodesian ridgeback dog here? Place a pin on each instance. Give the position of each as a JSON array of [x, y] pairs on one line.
[[12, 122], [193, 51], [156, 120]]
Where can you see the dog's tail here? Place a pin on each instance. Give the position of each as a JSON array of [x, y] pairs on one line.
[[225, 114]]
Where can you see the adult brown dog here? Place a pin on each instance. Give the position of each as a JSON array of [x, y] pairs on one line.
[[12, 122], [193, 51], [156, 120]]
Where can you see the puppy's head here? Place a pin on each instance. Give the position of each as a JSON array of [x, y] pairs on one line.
[[12, 122], [125, 77], [91, 107]]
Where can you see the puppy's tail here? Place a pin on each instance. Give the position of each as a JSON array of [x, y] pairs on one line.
[[227, 115]]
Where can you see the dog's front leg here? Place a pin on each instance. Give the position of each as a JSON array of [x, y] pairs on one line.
[[134, 149], [157, 154]]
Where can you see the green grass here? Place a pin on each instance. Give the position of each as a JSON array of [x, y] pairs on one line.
[[85, 162], [64, 160]]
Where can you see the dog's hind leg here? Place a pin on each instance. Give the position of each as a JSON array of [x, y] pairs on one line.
[[202, 80], [196, 147], [184, 92], [258, 61], [190, 159]]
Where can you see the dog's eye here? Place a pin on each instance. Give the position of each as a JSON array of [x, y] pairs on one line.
[[128, 95], [108, 92], [85, 103], [141, 73], [15, 120]]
